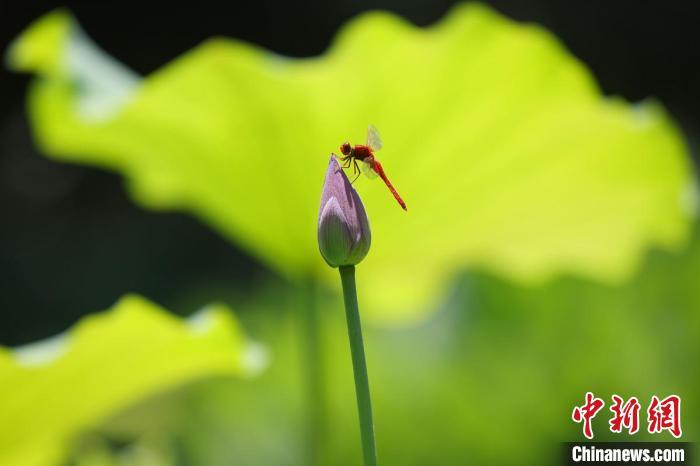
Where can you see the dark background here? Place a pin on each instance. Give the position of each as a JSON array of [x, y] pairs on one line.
[[71, 242]]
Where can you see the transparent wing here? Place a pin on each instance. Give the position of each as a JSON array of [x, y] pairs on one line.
[[367, 169], [374, 141]]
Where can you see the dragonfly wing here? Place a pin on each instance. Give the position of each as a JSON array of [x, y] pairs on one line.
[[367, 169], [374, 141]]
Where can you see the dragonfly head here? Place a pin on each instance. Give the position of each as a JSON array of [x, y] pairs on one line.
[[346, 148]]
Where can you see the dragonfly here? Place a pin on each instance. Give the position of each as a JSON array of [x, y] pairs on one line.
[[368, 163]]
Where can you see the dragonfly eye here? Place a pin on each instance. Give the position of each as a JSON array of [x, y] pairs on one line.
[[345, 148]]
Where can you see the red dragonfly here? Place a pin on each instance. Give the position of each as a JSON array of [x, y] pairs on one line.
[[371, 167]]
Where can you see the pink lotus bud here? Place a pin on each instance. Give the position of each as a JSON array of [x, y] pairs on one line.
[[343, 228]]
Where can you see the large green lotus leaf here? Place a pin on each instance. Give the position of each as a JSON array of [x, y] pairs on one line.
[[507, 154], [53, 390]]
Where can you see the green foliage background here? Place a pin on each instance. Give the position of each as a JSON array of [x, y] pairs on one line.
[[520, 278]]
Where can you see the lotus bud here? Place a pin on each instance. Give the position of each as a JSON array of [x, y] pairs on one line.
[[343, 228]]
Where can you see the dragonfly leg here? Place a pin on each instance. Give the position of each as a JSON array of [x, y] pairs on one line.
[[355, 171]]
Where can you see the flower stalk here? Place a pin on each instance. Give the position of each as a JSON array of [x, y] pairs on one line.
[[359, 364]]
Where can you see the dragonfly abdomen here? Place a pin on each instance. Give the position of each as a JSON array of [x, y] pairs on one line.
[[377, 167]]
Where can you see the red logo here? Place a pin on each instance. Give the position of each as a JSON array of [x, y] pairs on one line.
[[661, 415], [587, 412], [665, 415], [625, 415]]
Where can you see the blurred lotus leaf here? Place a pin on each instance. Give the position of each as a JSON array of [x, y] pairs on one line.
[[490, 380], [52, 390], [498, 139]]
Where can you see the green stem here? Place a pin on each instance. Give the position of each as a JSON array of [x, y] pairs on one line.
[[359, 365]]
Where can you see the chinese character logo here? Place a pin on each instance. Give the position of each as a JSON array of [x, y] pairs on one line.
[[625, 415], [665, 415], [587, 412], [661, 414]]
